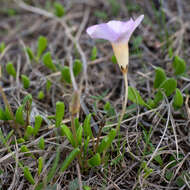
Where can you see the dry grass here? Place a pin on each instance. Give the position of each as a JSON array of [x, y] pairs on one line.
[[67, 40]]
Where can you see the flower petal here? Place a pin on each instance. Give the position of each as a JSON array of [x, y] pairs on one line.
[[102, 31], [120, 27], [124, 37]]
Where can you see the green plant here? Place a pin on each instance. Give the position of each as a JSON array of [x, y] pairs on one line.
[[65, 72], [40, 165], [59, 10], [178, 99], [10, 69], [25, 81], [145, 170], [164, 87], [77, 67], [41, 47], [41, 95], [37, 125], [179, 65], [2, 47], [94, 53], [47, 60], [41, 143]]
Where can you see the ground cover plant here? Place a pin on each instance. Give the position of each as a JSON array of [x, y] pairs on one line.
[[64, 123]]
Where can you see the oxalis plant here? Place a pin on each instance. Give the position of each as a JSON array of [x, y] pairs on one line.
[[90, 150]]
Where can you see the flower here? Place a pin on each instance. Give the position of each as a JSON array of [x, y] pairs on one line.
[[118, 33]]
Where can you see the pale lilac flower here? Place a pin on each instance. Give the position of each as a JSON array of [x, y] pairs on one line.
[[118, 33]]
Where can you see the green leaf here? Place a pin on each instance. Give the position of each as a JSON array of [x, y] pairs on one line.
[[93, 53], [24, 149], [20, 140], [79, 134], [28, 175], [2, 47], [169, 86], [38, 122], [87, 127], [160, 77], [11, 12], [68, 134], [159, 160], [59, 9], [135, 97], [151, 103], [77, 67], [111, 137], [8, 114], [146, 169], [41, 95], [69, 159], [179, 65], [170, 52], [28, 132], [48, 85], [109, 109], [9, 136], [60, 111], [54, 167], [158, 97], [30, 54], [40, 186], [86, 143], [40, 165], [178, 99], [1, 171], [65, 74], [2, 115], [27, 99], [117, 160], [77, 123], [2, 137], [19, 115], [102, 145], [47, 60], [180, 181], [113, 59], [42, 45], [10, 69], [86, 187], [25, 81], [169, 175], [107, 141], [95, 160], [5, 115], [41, 143]]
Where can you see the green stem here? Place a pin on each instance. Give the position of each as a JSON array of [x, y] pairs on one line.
[[125, 100]]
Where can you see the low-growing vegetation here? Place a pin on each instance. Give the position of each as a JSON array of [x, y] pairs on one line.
[[64, 122]]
